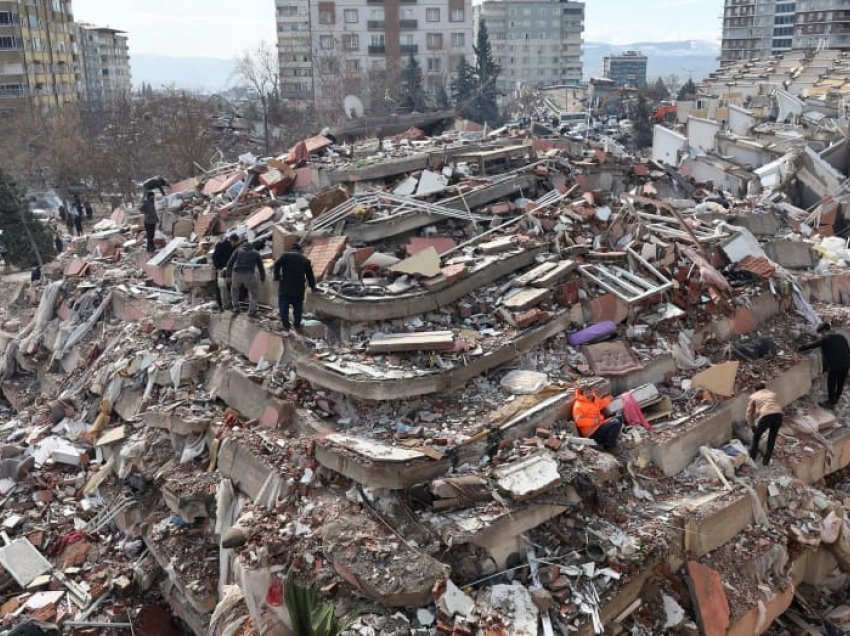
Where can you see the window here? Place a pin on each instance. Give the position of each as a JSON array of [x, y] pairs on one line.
[[350, 42], [406, 39], [457, 15], [37, 44], [33, 21], [407, 14], [352, 66], [351, 16], [434, 64], [432, 15], [458, 39], [326, 42], [434, 42], [287, 12], [326, 17], [11, 90], [7, 17], [57, 6], [377, 39], [376, 14]]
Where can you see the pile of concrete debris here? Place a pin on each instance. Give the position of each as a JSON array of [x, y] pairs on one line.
[[411, 455]]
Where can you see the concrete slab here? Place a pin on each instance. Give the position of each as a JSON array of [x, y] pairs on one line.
[[709, 599], [792, 254], [247, 471], [526, 299]]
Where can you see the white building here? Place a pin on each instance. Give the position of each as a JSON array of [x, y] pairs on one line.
[[330, 49], [536, 42], [105, 61]]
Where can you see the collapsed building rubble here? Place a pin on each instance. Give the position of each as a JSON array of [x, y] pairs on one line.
[[411, 455]]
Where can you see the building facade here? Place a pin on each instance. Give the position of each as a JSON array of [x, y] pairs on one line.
[[333, 48], [537, 43], [40, 62], [758, 28], [626, 69], [106, 62]]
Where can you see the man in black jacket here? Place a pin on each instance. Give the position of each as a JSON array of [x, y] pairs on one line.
[[151, 220], [835, 351], [221, 256], [240, 269], [291, 270]]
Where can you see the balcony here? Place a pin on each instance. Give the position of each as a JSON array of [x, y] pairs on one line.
[[409, 48], [376, 24], [408, 24], [377, 49]]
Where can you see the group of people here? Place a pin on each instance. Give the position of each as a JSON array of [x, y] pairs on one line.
[[240, 270], [73, 217], [764, 410]]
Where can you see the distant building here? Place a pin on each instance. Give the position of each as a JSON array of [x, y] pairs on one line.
[[106, 62], [39, 57], [330, 49], [537, 43], [626, 69], [758, 28]]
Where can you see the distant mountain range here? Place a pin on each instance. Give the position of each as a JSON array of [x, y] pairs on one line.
[[689, 58]]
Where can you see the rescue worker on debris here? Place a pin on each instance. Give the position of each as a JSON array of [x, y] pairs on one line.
[[764, 414], [221, 257], [591, 422], [835, 351], [151, 220], [240, 269], [291, 271]]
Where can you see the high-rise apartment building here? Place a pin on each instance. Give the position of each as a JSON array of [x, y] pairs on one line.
[[39, 58], [106, 62], [626, 69], [329, 49], [536, 42], [757, 28]]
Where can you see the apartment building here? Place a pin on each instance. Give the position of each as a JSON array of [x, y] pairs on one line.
[[39, 57], [536, 42], [626, 69], [106, 62], [332, 48], [758, 28]]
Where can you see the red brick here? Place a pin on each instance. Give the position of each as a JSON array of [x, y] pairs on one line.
[[608, 307], [710, 602], [568, 293], [419, 243], [530, 317], [362, 255], [324, 252], [448, 275], [744, 322]]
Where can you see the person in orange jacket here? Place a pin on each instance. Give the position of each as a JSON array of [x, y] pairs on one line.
[[591, 422]]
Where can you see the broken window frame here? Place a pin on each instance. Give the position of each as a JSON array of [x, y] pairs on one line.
[[625, 284]]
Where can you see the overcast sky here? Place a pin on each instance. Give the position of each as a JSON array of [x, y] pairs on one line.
[[224, 28]]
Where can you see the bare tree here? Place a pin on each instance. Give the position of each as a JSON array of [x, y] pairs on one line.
[[259, 70]]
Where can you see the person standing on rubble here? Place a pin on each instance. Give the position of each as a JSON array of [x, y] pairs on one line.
[[77, 214], [89, 210], [240, 269], [764, 414], [221, 257], [835, 351], [291, 271], [151, 220]]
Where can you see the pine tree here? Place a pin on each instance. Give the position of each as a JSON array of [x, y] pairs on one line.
[[486, 75], [660, 91], [463, 89], [688, 91], [412, 97], [27, 241], [643, 124]]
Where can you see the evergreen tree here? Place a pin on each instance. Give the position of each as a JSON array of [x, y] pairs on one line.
[[442, 99], [463, 89], [643, 124], [412, 97], [688, 91], [486, 75], [27, 242], [660, 92]]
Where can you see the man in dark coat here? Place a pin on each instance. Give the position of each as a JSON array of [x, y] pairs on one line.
[[240, 269], [291, 271], [151, 220], [835, 351], [221, 256]]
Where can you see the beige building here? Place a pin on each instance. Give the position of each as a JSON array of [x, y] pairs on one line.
[[106, 62], [39, 57], [333, 48]]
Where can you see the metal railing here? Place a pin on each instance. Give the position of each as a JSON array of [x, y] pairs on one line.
[[375, 24], [377, 49]]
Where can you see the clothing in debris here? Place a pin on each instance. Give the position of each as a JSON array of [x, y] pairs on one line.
[[835, 351], [294, 272]]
